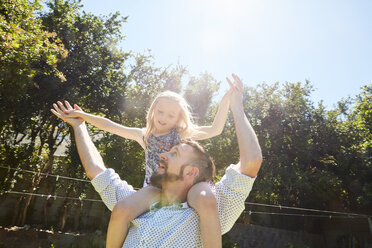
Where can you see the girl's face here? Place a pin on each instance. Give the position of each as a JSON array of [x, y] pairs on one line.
[[166, 116]]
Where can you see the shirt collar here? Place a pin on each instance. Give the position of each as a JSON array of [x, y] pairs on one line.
[[177, 205]]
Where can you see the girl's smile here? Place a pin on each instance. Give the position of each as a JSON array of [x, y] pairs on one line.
[[166, 116]]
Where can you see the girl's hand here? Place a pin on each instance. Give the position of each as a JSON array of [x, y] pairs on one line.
[[228, 93]]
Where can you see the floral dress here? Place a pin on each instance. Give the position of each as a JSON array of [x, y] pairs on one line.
[[156, 146]]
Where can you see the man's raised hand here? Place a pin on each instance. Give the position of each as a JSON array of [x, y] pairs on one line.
[[66, 113], [237, 94]]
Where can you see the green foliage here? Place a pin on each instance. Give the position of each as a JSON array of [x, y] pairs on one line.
[[313, 157], [199, 93], [26, 51], [228, 243], [362, 117]]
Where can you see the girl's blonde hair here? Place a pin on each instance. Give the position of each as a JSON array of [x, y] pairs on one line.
[[185, 126]]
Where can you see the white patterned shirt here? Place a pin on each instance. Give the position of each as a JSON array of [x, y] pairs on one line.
[[176, 225]]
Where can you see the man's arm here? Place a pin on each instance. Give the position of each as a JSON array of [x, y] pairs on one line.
[[106, 182], [249, 148], [89, 156], [238, 180]]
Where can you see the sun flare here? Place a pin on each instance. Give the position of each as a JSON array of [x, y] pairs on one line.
[[220, 21]]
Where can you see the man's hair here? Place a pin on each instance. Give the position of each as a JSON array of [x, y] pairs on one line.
[[203, 162]]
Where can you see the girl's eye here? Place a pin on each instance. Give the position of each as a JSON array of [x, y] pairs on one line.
[[160, 112], [171, 116]]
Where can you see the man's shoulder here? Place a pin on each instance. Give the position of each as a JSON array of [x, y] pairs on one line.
[[233, 180]]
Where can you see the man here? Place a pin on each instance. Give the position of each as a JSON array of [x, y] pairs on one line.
[[170, 222]]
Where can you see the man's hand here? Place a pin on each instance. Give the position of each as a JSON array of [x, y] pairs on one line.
[[67, 113], [249, 148], [237, 92]]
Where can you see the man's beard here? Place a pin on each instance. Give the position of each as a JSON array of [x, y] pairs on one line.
[[158, 179]]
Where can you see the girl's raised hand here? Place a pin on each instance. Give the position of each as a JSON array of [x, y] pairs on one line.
[[229, 92]]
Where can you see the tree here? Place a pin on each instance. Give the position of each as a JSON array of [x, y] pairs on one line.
[[199, 92], [355, 152], [95, 79], [26, 51], [94, 72]]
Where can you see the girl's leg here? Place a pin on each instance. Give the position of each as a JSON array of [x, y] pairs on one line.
[[201, 198], [127, 210]]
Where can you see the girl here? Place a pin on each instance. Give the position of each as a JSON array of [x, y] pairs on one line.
[[168, 121]]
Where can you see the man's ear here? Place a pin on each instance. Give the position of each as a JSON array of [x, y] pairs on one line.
[[192, 171]]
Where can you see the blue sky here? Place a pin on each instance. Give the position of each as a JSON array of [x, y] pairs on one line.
[[326, 42]]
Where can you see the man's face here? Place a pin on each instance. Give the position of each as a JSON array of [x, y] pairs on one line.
[[171, 163]]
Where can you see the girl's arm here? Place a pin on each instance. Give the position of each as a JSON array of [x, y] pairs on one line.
[[206, 132], [108, 125]]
